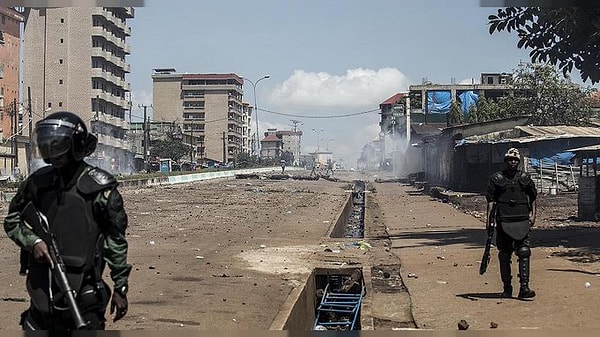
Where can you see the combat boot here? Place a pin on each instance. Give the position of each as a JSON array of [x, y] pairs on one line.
[[505, 274], [524, 290]]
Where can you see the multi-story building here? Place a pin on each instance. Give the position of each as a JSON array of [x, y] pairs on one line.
[[247, 139], [75, 60], [271, 147], [11, 123], [208, 107], [291, 143]]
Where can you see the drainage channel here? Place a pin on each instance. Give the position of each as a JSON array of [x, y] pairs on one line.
[[332, 298]]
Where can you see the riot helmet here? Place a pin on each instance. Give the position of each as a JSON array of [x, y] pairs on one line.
[[512, 153], [63, 133]]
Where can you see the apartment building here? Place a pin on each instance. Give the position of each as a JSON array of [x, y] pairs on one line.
[[75, 60], [291, 143], [10, 113], [208, 108]]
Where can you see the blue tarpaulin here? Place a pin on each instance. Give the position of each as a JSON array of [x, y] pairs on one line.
[[468, 98], [438, 102], [563, 158]]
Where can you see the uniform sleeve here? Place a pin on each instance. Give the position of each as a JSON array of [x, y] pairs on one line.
[[13, 225], [531, 191], [114, 224], [490, 191]]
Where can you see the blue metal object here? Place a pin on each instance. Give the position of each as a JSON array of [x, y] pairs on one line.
[[338, 311]]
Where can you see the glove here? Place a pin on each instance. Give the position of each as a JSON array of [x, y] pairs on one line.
[[119, 305]]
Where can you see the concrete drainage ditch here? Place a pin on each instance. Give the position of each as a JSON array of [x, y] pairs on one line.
[[336, 298]]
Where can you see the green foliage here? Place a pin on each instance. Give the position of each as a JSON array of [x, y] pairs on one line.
[[487, 110], [169, 147], [551, 98], [541, 92], [245, 160], [455, 116], [473, 115], [288, 157], [568, 37]]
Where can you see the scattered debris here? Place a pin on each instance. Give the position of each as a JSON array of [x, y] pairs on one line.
[[463, 325], [493, 325]]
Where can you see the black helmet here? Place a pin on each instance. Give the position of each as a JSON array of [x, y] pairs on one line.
[[63, 132]]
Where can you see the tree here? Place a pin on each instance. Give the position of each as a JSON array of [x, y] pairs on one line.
[[473, 115], [455, 116], [487, 110], [287, 156], [169, 147], [567, 37], [245, 160], [551, 98]]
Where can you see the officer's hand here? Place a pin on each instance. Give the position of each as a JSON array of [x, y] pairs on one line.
[[41, 253], [118, 304]]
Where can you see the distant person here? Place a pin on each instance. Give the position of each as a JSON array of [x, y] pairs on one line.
[[330, 165], [86, 216], [313, 172], [511, 196], [282, 163]]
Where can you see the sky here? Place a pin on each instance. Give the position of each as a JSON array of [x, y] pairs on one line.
[[324, 57]]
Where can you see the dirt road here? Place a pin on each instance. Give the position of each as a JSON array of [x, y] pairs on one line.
[[225, 254]]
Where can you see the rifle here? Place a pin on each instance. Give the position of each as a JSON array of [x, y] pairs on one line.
[[38, 222], [485, 260]]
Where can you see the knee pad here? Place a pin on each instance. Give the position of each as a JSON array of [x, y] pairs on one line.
[[523, 251]]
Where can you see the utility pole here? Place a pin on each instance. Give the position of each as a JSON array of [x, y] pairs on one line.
[[191, 143], [146, 130], [224, 149], [14, 114], [296, 123], [30, 154]]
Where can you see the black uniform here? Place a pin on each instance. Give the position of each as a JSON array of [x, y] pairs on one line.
[[514, 196]]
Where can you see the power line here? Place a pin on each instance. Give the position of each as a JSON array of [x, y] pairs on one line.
[[320, 117]]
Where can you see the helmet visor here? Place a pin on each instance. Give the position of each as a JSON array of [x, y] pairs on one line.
[[53, 138]]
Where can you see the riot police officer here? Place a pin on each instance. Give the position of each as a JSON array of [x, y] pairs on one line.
[[86, 215], [511, 196]]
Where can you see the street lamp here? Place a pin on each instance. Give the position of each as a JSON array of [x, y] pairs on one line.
[[254, 83], [318, 138]]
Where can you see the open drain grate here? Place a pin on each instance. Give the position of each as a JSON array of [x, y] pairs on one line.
[[339, 300]]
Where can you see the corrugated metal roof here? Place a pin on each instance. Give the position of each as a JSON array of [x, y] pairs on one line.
[[394, 99], [585, 148], [560, 130], [535, 133]]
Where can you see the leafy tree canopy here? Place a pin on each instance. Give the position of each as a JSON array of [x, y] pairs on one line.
[[541, 92], [567, 37], [169, 147]]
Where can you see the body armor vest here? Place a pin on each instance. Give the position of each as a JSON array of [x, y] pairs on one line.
[[512, 202], [78, 237]]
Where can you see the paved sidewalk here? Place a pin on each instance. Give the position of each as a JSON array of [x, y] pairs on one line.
[[440, 248]]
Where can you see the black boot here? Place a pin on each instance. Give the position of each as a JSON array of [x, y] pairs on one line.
[[524, 290], [505, 274]]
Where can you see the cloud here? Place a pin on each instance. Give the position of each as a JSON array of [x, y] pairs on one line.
[[358, 88]]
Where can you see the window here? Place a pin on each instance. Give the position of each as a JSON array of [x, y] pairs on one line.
[[49, 104], [60, 81], [60, 104], [62, 20], [62, 40], [60, 61]]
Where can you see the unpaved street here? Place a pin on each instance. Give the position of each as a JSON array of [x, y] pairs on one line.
[[225, 254]]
